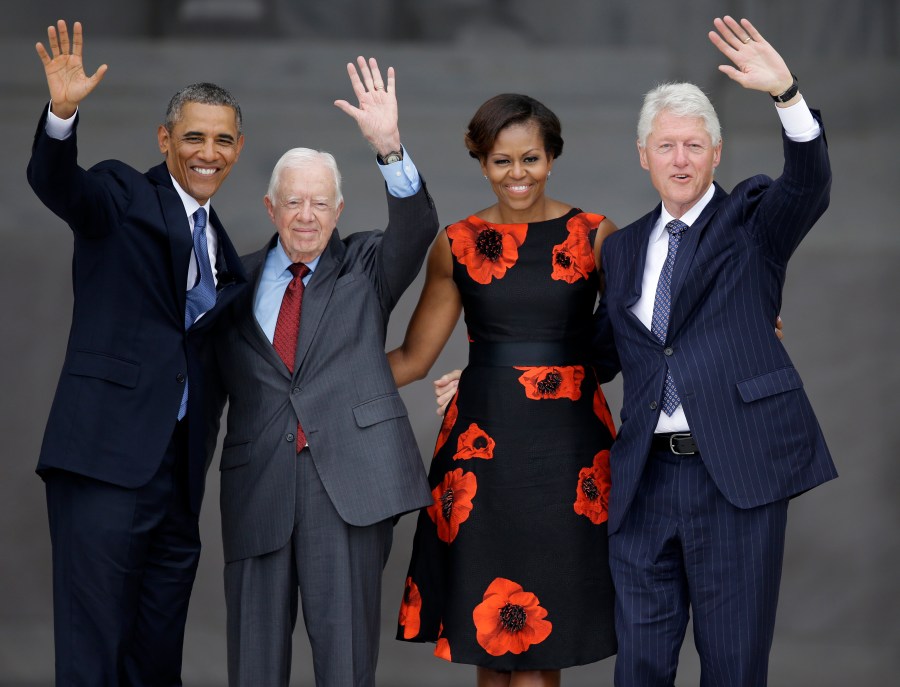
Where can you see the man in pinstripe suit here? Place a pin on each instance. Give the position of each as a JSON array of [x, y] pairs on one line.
[[307, 511], [717, 433]]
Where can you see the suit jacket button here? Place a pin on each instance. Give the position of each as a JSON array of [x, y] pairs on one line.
[[295, 390], [289, 437], [652, 405], [669, 350], [179, 378]]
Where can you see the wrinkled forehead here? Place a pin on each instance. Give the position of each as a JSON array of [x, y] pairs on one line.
[[314, 180]]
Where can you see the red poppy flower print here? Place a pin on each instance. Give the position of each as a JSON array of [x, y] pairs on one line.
[[487, 250], [452, 503], [447, 425], [584, 223], [474, 443], [410, 610], [509, 619], [573, 259], [601, 410], [592, 495], [442, 649], [552, 382]]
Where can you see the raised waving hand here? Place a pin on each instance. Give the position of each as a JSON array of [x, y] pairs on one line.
[[376, 114], [68, 83], [757, 65]]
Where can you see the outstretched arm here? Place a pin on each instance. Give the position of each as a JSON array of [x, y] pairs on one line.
[[757, 65], [68, 83], [376, 114], [432, 321]]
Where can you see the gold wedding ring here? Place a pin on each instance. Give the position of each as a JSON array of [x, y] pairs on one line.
[[745, 40]]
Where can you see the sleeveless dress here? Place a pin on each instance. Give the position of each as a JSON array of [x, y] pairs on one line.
[[509, 565]]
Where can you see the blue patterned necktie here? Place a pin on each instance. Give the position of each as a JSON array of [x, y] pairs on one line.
[[202, 296], [662, 306]]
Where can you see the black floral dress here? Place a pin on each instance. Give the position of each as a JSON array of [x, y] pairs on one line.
[[509, 566]]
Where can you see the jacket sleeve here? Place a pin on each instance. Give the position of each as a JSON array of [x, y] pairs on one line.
[[784, 210], [412, 225]]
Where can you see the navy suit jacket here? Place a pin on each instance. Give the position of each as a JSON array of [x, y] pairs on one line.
[[128, 354], [742, 396]]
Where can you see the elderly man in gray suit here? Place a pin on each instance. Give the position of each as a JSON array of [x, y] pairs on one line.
[[319, 455]]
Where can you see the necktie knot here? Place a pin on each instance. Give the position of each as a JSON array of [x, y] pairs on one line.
[[298, 269], [676, 227]]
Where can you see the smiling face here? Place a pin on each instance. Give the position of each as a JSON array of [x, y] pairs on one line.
[[680, 158], [304, 210], [517, 167], [201, 148]]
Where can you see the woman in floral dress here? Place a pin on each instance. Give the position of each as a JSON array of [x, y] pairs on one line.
[[509, 567]]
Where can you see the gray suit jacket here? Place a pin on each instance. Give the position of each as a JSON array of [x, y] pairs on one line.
[[359, 435]]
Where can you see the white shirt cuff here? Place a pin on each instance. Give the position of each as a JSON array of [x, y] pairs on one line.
[[798, 122], [57, 127]]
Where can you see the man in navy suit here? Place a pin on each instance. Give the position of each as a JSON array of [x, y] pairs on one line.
[[123, 456], [717, 433]]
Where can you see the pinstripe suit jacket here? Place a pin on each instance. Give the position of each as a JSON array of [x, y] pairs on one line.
[[742, 396], [359, 435]]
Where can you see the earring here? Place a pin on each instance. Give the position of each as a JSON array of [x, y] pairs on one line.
[[549, 173], [485, 177]]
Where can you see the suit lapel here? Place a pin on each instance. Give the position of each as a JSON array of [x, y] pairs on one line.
[[641, 236], [317, 294], [178, 228], [689, 242], [246, 318]]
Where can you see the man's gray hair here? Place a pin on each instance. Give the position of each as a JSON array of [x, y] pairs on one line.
[[302, 158], [682, 100], [205, 94]]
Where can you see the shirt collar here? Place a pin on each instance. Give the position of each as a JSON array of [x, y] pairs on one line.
[[688, 217], [281, 261], [190, 204]]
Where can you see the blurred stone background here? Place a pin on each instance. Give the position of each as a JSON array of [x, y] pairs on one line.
[[590, 62]]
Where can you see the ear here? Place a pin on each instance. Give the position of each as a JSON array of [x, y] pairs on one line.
[[717, 155], [483, 164], [642, 154], [239, 146], [162, 136], [338, 210], [270, 208]]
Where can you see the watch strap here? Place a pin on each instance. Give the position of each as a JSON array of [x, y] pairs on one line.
[[788, 94]]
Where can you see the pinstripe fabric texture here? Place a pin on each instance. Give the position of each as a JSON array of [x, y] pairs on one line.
[[337, 570], [684, 545], [743, 398], [341, 390], [362, 458], [707, 532]]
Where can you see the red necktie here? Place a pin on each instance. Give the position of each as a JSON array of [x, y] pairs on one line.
[[288, 327]]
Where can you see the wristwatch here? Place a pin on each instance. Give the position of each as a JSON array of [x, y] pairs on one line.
[[390, 158], [788, 94]]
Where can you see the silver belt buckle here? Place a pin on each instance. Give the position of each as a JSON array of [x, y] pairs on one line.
[[680, 435]]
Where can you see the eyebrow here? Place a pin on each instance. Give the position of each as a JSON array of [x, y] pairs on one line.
[[225, 136], [530, 151]]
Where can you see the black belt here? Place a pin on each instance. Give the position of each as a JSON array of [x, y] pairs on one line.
[[679, 443], [527, 353]]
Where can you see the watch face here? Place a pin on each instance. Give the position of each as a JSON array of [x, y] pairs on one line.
[[391, 158]]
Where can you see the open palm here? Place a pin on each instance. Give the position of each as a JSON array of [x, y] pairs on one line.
[[66, 79]]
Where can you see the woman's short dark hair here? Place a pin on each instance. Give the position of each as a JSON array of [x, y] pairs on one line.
[[505, 110]]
